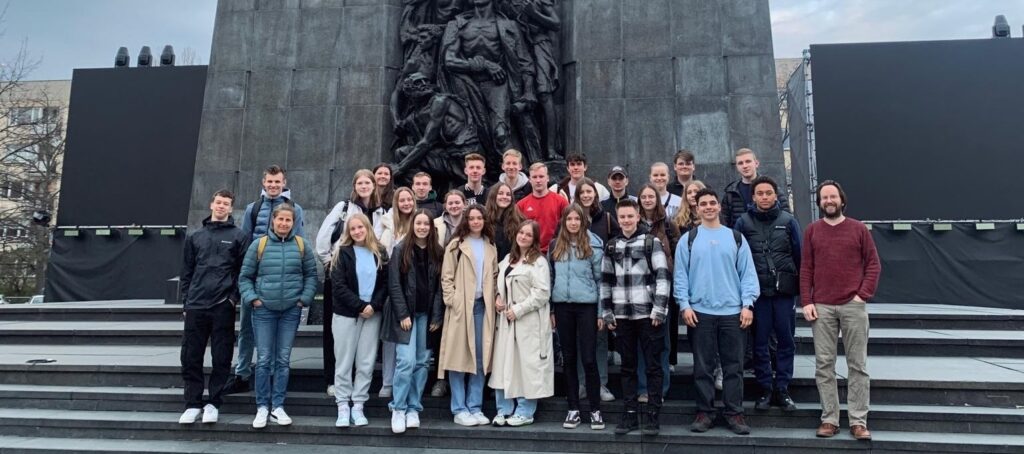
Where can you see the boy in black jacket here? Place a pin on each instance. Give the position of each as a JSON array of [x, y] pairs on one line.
[[209, 293]]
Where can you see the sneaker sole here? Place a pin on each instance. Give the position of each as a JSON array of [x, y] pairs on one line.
[[597, 427], [567, 425], [650, 433], [520, 424]]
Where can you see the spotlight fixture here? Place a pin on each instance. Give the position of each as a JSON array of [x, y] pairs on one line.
[[41, 217], [145, 57], [1001, 28], [122, 59], [167, 56]]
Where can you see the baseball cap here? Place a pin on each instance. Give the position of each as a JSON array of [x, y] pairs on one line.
[[618, 170]]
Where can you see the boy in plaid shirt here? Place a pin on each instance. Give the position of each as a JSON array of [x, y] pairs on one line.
[[635, 287]]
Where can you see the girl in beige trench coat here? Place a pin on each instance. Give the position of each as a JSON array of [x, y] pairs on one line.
[[524, 367], [467, 282]]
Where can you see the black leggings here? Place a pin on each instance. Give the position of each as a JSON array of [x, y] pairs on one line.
[[577, 322]]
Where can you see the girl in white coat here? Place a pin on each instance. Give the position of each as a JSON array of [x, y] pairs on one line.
[[523, 367]]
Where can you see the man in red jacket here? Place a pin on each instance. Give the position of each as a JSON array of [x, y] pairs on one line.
[[839, 272]]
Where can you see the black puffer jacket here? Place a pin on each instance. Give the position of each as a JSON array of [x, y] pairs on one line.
[[774, 238], [403, 291], [212, 259], [733, 205]]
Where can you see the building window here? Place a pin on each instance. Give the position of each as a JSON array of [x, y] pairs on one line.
[[19, 116], [21, 154], [13, 190]]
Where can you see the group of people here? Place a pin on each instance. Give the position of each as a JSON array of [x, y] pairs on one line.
[[484, 276]]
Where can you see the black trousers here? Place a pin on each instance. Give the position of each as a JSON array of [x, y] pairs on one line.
[[718, 336], [215, 325], [577, 323], [628, 335], [328, 339]]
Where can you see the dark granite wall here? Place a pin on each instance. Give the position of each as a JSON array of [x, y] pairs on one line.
[[305, 84]]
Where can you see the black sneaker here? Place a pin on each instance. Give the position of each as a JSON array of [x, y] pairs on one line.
[[764, 402], [596, 421], [629, 423], [572, 420], [236, 385], [651, 426], [738, 424], [786, 402], [702, 423]]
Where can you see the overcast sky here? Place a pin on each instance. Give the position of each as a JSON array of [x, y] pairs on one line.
[[66, 34]]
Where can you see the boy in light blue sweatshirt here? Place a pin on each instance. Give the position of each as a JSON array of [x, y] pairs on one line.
[[715, 284]]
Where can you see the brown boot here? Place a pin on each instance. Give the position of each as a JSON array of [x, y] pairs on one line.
[[827, 430], [860, 432]]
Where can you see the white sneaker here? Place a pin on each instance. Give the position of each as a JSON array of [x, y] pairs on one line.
[[412, 420], [398, 422], [358, 417], [281, 417], [210, 414], [606, 395], [499, 420], [516, 421], [330, 390], [344, 416], [189, 416], [385, 392], [465, 419], [261, 418], [481, 419]]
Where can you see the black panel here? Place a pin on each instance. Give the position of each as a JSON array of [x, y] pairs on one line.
[[115, 267], [922, 130], [963, 266], [131, 145]]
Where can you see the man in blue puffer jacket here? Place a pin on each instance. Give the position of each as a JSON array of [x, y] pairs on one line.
[[278, 278], [256, 223]]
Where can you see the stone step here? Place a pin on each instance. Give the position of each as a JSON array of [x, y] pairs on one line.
[[907, 418], [899, 316], [991, 382], [539, 437], [45, 445], [884, 341]]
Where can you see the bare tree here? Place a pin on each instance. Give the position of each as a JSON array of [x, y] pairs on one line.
[[31, 155], [189, 57]]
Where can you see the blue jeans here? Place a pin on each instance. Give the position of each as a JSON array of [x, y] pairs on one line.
[[641, 386], [274, 332], [411, 368], [519, 406], [471, 400], [774, 314], [243, 363]]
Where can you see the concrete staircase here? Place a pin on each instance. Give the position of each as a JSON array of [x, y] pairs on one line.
[[944, 379]]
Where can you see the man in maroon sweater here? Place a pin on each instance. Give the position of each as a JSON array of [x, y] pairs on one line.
[[839, 272]]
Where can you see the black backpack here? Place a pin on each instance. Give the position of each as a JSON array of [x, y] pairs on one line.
[[648, 250], [692, 235]]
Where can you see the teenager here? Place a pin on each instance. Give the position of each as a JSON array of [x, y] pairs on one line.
[[454, 205], [426, 198], [395, 225], [209, 293], [359, 287], [653, 216], [512, 165], [524, 367], [364, 199], [685, 166], [286, 271], [618, 182], [634, 304], [468, 278], [414, 308], [686, 217], [542, 205], [605, 226], [576, 165], [659, 179], [501, 212], [575, 259], [474, 170], [385, 184]]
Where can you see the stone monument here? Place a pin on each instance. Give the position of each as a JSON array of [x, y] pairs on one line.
[[325, 87]]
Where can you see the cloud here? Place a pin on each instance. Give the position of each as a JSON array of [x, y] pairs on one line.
[[796, 24]]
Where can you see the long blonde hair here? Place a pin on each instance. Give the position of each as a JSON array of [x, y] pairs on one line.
[[401, 220], [370, 243], [684, 217]]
